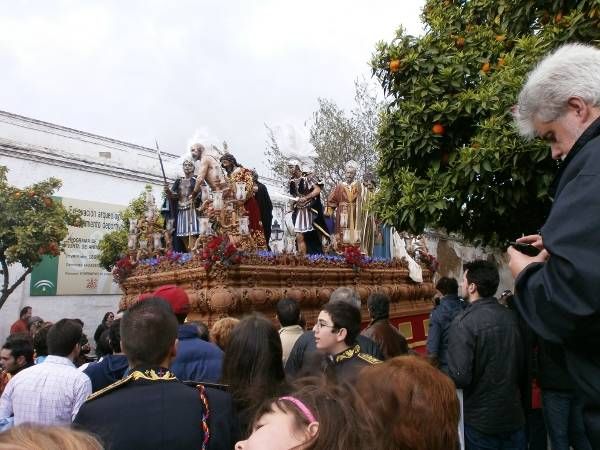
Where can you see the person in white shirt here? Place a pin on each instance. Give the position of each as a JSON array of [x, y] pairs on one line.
[[52, 392]]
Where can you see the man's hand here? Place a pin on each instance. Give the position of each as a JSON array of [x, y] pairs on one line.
[[533, 239], [518, 261]]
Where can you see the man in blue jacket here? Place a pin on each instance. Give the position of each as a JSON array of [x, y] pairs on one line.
[[196, 360], [441, 318], [110, 368]]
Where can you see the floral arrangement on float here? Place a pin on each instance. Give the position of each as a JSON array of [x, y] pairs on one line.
[[430, 262], [220, 250], [122, 269], [353, 257]]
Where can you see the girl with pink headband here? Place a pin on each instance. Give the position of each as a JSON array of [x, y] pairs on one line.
[[313, 416]]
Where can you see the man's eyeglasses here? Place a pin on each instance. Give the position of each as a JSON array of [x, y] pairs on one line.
[[320, 325]]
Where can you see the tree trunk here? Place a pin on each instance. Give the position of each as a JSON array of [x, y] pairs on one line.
[[6, 291]]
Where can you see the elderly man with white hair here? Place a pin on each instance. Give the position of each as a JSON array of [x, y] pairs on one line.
[[558, 291]]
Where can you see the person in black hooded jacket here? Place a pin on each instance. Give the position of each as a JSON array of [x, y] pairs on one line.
[[557, 290]]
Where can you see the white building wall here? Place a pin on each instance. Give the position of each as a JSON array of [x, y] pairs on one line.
[[34, 151]]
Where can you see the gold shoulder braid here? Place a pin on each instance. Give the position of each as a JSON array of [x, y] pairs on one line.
[[112, 387], [150, 375], [348, 353], [153, 375], [368, 358]]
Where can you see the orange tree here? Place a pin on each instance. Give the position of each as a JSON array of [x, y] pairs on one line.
[[450, 157], [32, 225]]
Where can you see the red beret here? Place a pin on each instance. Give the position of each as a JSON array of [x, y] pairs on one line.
[[175, 296]]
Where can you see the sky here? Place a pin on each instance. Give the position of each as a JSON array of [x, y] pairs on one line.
[[180, 71]]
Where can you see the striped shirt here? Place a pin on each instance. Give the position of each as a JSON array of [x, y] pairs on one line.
[[49, 393]]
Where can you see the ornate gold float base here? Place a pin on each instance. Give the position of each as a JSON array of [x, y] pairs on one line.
[[238, 290]]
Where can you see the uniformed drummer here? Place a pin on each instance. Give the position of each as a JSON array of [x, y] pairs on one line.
[[151, 408], [336, 330]]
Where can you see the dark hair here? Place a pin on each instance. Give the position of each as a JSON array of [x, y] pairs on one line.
[[40, 344], [24, 311], [344, 315], [447, 286], [114, 336], [484, 275], [288, 312], [230, 158], [105, 318], [20, 346], [423, 393], [103, 344], [79, 321], [148, 330], [252, 365], [203, 332], [379, 305], [63, 336], [334, 406]]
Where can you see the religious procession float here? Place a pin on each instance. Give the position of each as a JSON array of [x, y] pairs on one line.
[[208, 238]]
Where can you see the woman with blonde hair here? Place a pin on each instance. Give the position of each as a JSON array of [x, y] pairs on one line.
[[220, 332], [35, 437]]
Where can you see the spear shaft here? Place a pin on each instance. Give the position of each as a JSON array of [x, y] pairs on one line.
[[162, 168]]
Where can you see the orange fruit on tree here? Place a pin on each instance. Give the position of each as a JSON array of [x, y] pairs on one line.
[[47, 202], [558, 17], [395, 65], [485, 67], [500, 37], [460, 42], [438, 129]]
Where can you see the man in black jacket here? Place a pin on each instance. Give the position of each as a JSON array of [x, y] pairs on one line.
[[557, 291], [485, 359]]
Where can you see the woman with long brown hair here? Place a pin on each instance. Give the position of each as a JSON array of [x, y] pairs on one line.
[[252, 366], [414, 405]]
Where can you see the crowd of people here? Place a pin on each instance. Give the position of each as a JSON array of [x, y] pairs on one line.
[[246, 384], [508, 373], [164, 384]]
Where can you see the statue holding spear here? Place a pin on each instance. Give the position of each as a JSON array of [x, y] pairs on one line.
[[181, 205]]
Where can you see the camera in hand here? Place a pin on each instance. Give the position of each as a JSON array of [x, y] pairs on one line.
[[526, 249]]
